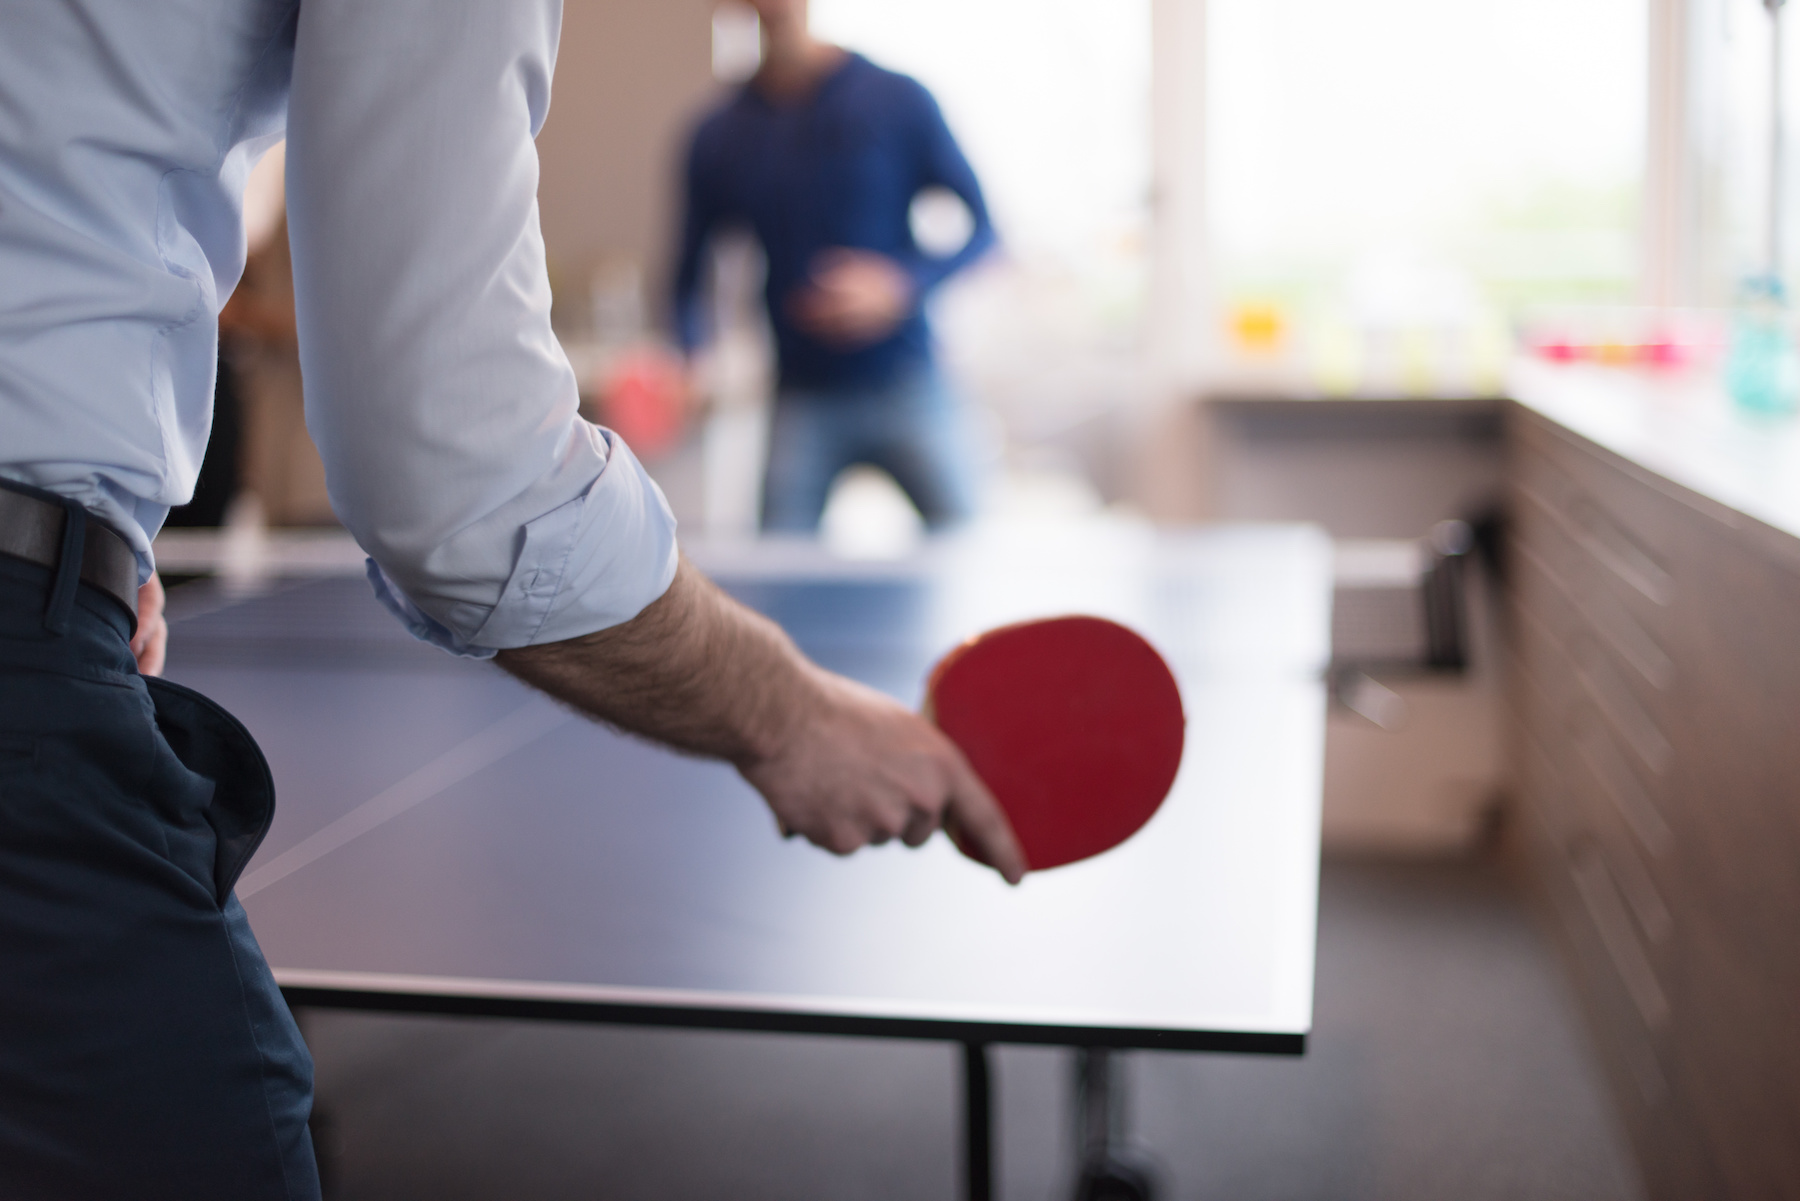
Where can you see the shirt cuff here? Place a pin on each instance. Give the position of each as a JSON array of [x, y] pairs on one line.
[[594, 562]]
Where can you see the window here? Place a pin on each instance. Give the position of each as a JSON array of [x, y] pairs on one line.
[[1391, 182], [1730, 115]]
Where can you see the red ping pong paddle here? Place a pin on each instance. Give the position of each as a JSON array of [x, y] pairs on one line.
[[1073, 723]]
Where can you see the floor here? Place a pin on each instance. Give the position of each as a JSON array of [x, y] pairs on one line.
[[1447, 1063]]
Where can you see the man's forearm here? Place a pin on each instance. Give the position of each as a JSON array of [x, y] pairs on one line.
[[694, 670], [836, 761]]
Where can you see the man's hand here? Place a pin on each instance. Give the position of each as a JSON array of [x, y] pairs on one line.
[[838, 763], [863, 770], [151, 642], [856, 298]]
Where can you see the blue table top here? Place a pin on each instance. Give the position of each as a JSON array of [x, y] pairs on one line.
[[445, 838]]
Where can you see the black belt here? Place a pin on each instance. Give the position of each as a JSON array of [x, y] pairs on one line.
[[32, 529]]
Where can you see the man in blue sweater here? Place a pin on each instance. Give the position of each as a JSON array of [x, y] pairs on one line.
[[820, 156]]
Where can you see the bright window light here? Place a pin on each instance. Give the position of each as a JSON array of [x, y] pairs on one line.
[[1419, 162], [1732, 116]]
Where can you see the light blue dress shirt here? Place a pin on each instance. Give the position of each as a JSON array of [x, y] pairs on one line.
[[440, 400]]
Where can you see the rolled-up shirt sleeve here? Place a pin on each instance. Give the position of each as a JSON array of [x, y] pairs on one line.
[[442, 404]]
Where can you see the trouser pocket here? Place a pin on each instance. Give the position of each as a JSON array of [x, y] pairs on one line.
[[211, 743]]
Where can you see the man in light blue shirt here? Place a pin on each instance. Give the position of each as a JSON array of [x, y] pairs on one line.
[[146, 1052]]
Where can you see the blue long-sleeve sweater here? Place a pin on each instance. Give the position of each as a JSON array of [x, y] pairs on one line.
[[840, 168]]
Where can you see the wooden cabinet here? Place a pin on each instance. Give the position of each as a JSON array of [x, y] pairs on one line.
[[1655, 750]]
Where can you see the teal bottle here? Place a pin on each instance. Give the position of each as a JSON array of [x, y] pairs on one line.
[[1763, 371]]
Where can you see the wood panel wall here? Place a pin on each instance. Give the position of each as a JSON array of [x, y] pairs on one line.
[[1655, 703]]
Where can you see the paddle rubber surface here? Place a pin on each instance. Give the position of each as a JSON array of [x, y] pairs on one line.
[[1075, 725]]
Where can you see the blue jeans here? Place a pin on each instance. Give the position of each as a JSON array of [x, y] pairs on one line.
[[145, 1051], [912, 428]]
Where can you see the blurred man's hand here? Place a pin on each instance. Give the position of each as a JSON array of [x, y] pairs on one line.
[[151, 642], [856, 298]]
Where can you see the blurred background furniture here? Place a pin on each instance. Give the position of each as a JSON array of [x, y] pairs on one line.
[[1413, 747], [1654, 577]]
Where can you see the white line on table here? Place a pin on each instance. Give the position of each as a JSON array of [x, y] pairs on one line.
[[517, 729]]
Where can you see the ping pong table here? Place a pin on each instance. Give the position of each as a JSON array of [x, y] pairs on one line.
[[448, 842]]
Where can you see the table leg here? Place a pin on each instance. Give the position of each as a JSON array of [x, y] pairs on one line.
[[978, 1124], [321, 1124], [1108, 1171]]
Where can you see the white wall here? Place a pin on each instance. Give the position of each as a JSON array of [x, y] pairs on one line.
[[631, 76]]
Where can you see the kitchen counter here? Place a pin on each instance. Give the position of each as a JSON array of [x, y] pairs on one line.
[[1683, 428], [1653, 580]]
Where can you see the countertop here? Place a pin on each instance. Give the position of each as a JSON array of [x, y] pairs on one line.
[[1681, 427]]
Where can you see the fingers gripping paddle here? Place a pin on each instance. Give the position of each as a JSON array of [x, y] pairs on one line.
[[1074, 724]]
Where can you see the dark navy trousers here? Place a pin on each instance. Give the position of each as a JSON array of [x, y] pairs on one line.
[[145, 1051]]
